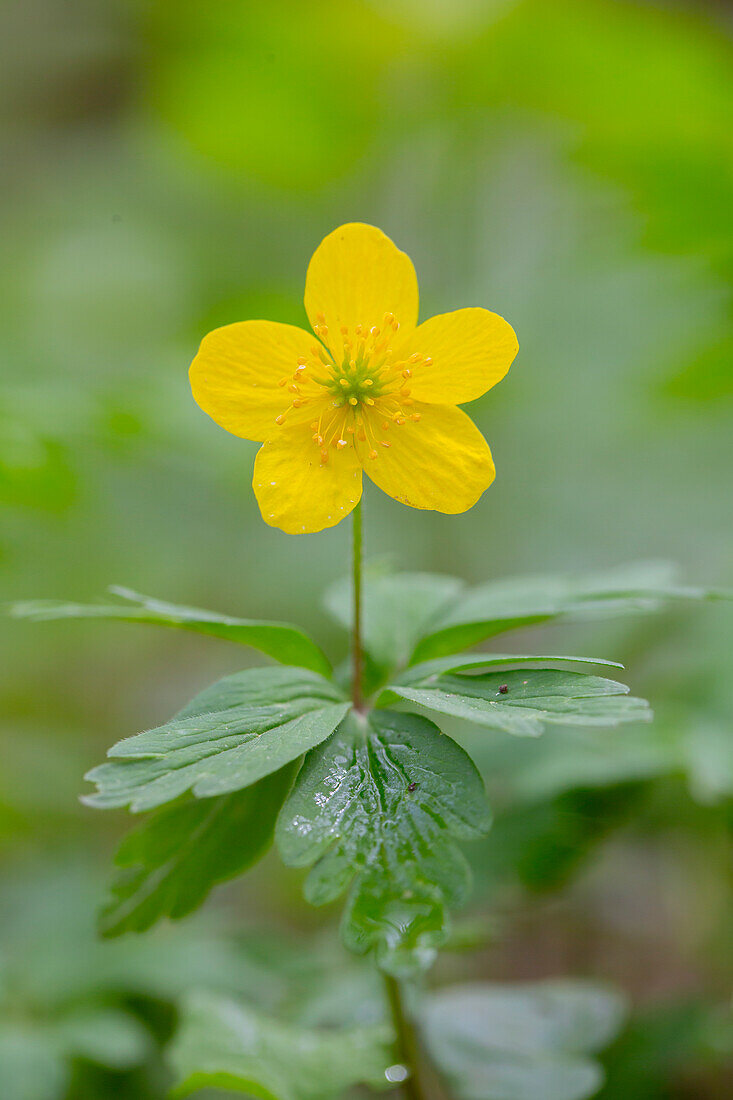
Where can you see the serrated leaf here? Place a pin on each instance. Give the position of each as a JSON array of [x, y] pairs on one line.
[[172, 862], [382, 803], [522, 701], [281, 641], [521, 1042], [497, 606], [397, 610], [235, 732], [225, 1044]]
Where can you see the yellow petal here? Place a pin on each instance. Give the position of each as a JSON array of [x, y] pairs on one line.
[[471, 350], [235, 375], [441, 461], [298, 494], [357, 275]]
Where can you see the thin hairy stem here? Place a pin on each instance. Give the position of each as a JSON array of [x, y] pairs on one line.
[[357, 654]]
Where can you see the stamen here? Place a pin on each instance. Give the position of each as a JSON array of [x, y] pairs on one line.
[[368, 382], [353, 401], [388, 319], [407, 373], [344, 382], [415, 417], [280, 419], [415, 358], [427, 362], [341, 443], [283, 382], [373, 454], [320, 317], [293, 388], [299, 402], [385, 443]]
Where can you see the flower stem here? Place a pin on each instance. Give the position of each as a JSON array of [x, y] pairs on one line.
[[407, 1046], [357, 655]]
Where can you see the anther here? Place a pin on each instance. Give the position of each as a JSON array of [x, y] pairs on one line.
[[320, 317], [407, 373], [283, 382], [344, 330], [415, 358], [314, 426], [318, 439], [372, 454], [415, 417], [385, 425], [368, 382], [344, 382], [388, 319], [399, 419], [293, 388], [427, 362], [301, 360], [324, 458], [369, 400], [374, 331], [359, 330], [353, 401], [298, 402], [280, 419], [341, 443], [404, 393], [385, 443]]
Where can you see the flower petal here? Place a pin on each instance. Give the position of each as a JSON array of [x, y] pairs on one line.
[[471, 350], [440, 462], [235, 374], [357, 275], [295, 492]]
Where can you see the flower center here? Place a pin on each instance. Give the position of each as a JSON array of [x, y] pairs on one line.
[[365, 386]]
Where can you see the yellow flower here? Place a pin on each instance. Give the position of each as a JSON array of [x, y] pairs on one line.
[[373, 392]]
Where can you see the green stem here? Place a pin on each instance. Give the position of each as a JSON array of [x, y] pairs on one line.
[[407, 1045], [357, 654]]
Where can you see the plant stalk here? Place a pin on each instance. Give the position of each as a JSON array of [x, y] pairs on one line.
[[357, 655], [407, 1045]]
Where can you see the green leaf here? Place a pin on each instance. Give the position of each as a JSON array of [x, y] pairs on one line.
[[492, 608], [286, 644], [475, 661], [523, 1042], [235, 732], [183, 851], [228, 1045], [31, 1065], [397, 610], [522, 701], [382, 803]]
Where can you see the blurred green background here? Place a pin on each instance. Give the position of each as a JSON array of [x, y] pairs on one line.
[[169, 167]]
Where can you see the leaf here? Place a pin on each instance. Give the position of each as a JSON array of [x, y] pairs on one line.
[[283, 642], [522, 1042], [397, 610], [475, 661], [521, 702], [497, 606], [229, 1045], [172, 862], [382, 803], [31, 1066], [235, 732]]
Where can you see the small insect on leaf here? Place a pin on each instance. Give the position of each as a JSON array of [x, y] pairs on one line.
[[504, 688], [412, 787]]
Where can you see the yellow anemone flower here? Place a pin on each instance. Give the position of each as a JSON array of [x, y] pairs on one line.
[[375, 391]]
